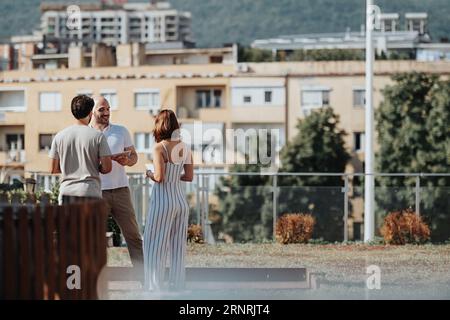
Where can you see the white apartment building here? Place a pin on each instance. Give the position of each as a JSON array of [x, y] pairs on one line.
[[116, 24]]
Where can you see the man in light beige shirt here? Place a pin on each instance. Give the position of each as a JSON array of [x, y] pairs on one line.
[[80, 154]]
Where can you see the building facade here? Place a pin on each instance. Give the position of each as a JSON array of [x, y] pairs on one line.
[[34, 105], [116, 24], [236, 98]]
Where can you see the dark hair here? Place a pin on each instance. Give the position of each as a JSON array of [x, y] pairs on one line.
[[165, 124], [81, 106]]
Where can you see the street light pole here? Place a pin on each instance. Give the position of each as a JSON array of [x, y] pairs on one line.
[[369, 185]]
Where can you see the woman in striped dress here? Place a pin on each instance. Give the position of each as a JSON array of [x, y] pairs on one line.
[[167, 220]]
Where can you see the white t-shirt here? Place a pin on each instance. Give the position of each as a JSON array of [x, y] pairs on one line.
[[118, 139]]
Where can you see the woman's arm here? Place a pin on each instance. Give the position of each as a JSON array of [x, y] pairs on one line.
[[188, 170], [158, 162]]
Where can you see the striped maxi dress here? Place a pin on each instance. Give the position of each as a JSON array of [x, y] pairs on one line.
[[166, 230]]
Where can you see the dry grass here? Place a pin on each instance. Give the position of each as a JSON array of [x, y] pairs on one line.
[[407, 264]]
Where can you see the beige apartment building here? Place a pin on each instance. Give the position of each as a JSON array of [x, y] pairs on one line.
[[34, 105]]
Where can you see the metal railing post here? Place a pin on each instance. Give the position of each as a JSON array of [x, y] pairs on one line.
[[418, 195], [275, 205], [203, 210], [346, 208], [197, 197], [206, 223]]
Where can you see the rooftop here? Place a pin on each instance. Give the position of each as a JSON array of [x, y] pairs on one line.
[[48, 6]]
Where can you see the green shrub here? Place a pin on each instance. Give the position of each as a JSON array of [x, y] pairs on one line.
[[115, 229]]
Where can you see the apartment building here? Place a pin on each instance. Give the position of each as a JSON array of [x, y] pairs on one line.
[[413, 39], [34, 105], [115, 24]]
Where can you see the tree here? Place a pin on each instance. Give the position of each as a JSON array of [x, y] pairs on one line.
[[414, 137], [240, 201], [242, 197], [318, 147]]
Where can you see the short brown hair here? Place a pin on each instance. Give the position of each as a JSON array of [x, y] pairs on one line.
[[165, 124], [81, 106]]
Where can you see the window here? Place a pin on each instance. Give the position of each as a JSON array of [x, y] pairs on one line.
[[12, 100], [209, 98], [111, 97], [267, 96], [217, 98], [144, 142], [358, 141], [15, 142], [147, 100], [247, 99], [215, 59], [45, 141], [314, 99], [50, 101], [88, 93], [359, 98], [326, 98]]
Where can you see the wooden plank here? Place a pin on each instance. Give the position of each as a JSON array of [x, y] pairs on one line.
[[38, 254], [102, 232], [50, 256], [230, 278], [83, 257], [9, 262], [92, 275], [244, 275], [73, 256], [24, 252], [221, 285], [100, 216], [62, 252]]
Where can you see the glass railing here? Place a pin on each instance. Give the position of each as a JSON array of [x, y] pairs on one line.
[[245, 207]]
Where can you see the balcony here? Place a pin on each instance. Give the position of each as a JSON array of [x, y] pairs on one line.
[[12, 157], [203, 103]]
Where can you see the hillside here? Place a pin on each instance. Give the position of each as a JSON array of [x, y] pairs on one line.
[[221, 21]]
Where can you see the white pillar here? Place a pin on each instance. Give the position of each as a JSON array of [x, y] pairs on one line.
[[369, 198]]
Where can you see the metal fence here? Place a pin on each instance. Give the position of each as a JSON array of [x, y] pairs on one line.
[[339, 207]]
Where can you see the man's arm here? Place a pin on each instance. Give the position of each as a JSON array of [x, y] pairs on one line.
[[125, 160], [54, 166], [133, 158], [105, 165]]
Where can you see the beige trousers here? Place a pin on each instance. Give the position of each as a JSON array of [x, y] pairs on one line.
[[120, 207]]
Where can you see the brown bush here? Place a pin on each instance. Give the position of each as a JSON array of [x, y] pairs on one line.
[[402, 227], [295, 228], [195, 233]]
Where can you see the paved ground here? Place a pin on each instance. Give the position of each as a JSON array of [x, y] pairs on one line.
[[407, 272]]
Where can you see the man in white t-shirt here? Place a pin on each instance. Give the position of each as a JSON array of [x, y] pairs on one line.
[[115, 188]]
